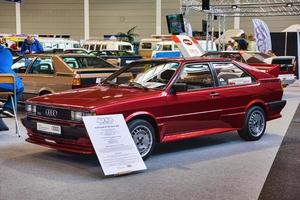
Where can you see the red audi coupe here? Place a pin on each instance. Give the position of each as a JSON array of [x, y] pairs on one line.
[[162, 101]]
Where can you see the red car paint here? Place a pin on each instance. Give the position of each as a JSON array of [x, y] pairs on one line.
[[175, 116]]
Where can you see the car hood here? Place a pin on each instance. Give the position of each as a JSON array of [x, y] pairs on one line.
[[93, 97]]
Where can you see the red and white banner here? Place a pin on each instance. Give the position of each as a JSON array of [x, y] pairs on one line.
[[188, 46]]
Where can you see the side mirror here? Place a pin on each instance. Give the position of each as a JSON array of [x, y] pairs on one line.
[[178, 87]]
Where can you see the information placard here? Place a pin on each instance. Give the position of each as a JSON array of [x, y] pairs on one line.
[[188, 46], [114, 146]]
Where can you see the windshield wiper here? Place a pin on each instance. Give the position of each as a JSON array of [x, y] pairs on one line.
[[137, 85], [108, 83]]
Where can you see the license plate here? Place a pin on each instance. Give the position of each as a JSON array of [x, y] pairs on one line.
[[48, 128], [98, 80]]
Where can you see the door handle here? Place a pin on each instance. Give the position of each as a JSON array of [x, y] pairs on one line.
[[214, 94]]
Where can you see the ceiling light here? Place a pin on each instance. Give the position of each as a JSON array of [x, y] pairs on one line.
[[234, 6], [289, 5]]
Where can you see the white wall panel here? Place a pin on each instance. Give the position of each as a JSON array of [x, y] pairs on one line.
[[113, 16], [108, 17], [53, 17]]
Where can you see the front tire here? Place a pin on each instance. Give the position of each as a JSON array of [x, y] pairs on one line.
[[143, 135], [255, 124]]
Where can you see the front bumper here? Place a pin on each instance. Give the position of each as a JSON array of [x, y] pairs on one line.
[[73, 139], [287, 79]]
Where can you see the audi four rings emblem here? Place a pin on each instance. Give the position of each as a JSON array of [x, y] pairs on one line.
[[105, 120], [51, 113]]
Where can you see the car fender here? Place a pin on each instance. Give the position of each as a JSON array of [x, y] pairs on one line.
[[140, 113], [158, 127]]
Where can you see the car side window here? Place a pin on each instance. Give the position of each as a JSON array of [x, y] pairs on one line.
[[21, 65], [229, 74], [196, 76], [42, 66]]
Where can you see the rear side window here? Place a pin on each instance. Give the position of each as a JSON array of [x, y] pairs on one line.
[[42, 66], [229, 74]]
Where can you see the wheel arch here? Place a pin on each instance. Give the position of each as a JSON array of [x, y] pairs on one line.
[[259, 103], [45, 91], [149, 118]]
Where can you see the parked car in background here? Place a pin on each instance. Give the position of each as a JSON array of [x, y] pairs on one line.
[[50, 73], [166, 49], [118, 58], [57, 43], [262, 61], [76, 51], [162, 100], [98, 45]]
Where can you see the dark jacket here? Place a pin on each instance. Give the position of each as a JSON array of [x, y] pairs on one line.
[[34, 47], [6, 61]]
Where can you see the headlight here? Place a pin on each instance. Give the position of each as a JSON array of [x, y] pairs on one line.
[[77, 115], [31, 109], [28, 108]]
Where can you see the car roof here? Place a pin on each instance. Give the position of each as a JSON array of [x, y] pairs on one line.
[[191, 59], [57, 54]]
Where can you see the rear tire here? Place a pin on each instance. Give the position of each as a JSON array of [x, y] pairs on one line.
[[143, 135], [255, 124]]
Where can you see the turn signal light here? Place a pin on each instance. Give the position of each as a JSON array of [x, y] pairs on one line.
[[76, 82]]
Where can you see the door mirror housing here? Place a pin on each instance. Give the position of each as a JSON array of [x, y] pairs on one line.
[[178, 87]]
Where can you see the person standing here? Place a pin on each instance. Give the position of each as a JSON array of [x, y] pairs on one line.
[[230, 46], [6, 61], [31, 45]]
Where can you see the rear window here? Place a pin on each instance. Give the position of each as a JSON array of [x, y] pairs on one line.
[[86, 62], [229, 74]]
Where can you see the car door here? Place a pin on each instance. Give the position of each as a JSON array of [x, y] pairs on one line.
[[236, 89], [193, 109], [20, 66], [40, 76]]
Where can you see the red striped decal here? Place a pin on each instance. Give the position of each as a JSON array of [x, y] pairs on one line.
[[175, 39]]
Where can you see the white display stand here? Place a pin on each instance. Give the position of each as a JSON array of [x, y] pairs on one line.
[[113, 144]]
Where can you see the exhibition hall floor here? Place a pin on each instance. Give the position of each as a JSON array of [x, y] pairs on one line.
[[212, 167]]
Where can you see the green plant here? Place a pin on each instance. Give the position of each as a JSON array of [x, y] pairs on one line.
[[129, 36]]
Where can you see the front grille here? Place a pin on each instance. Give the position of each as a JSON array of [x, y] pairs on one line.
[[55, 113]]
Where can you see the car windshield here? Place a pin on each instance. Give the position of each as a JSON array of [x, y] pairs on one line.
[[86, 62], [147, 75]]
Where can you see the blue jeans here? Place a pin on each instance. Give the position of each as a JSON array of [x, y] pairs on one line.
[[8, 104]]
